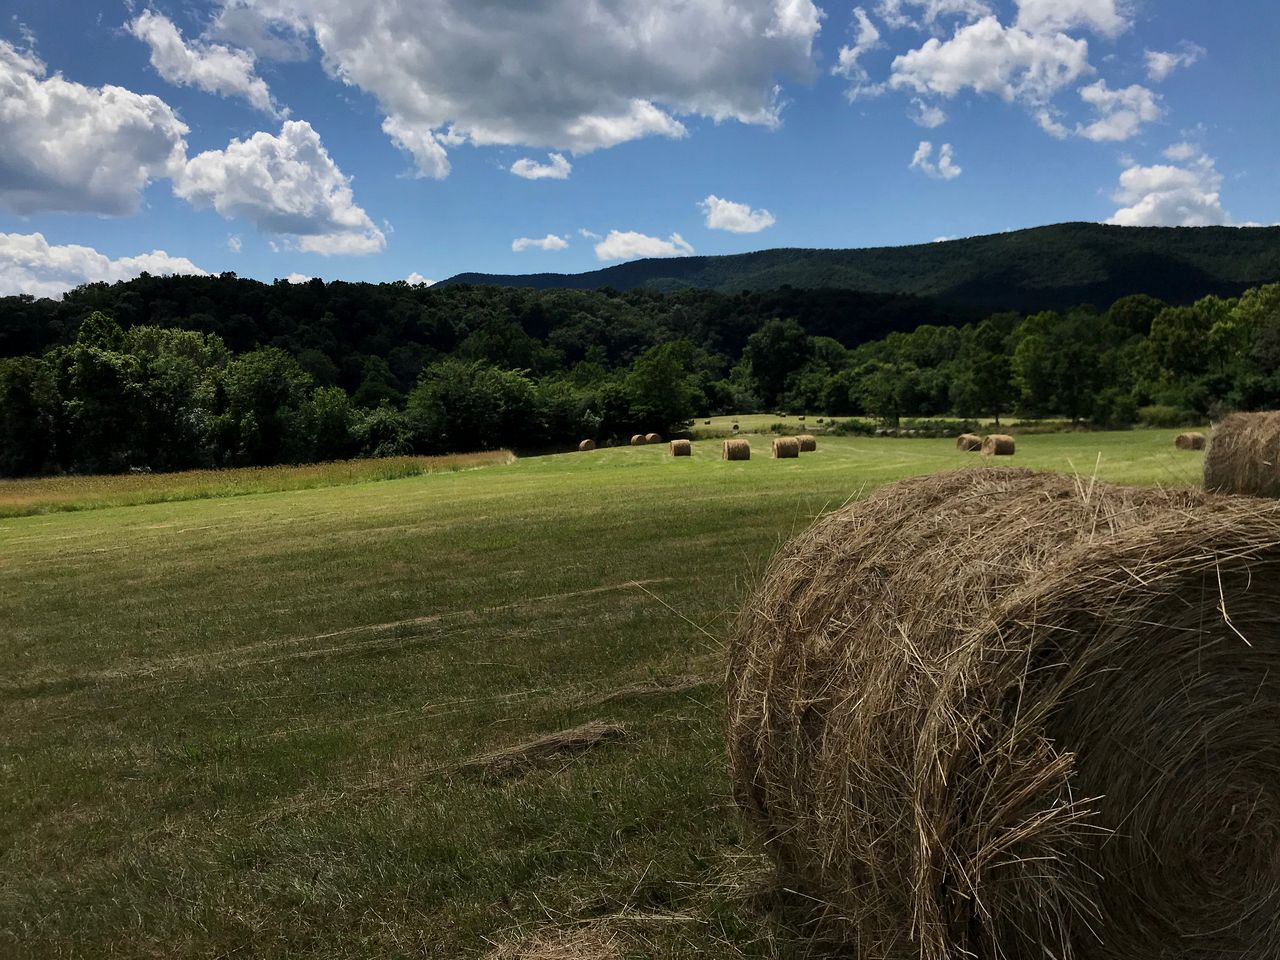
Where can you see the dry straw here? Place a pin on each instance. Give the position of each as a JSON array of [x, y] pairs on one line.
[[586, 445], [969, 442], [786, 448], [998, 445], [1244, 456], [996, 714], [681, 448], [653, 438], [808, 443], [736, 450], [638, 440], [1189, 441]]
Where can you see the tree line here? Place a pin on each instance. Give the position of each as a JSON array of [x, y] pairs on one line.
[[472, 368]]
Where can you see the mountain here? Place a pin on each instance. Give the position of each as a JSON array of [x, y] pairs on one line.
[[1052, 267]]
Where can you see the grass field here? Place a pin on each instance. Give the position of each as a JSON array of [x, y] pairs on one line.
[[236, 727]]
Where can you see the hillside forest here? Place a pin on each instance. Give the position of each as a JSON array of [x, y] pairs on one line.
[[183, 372]]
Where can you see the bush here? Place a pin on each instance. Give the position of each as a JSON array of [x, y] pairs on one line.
[[1163, 415]]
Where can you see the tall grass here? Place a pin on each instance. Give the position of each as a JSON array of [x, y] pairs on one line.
[[34, 495]]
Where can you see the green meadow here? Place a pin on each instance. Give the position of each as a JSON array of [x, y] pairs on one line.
[[239, 726]]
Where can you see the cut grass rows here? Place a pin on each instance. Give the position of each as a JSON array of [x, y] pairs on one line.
[[236, 726]]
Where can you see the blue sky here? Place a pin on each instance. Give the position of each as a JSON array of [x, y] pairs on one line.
[[384, 139]]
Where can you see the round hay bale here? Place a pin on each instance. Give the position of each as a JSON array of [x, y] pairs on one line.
[[638, 440], [653, 438], [999, 714], [681, 448], [735, 450], [586, 445], [969, 442], [786, 448], [1190, 441], [1244, 455], [808, 442], [998, 445], [735, 428], [706, 423], [820, 420]]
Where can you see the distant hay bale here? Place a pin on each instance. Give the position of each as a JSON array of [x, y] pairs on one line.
[[706, 423], [808, 442], [735, 450], [969, 442], [998, 445], [786, 448], [1189, 441], [586, 445], [653, 438], [735, 428], [999, 714], [681, 448], [638, 440], [1244, 455]]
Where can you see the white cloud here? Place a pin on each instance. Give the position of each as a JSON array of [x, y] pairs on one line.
[[1121, 113], [210, 67], [425, 147], [238, 23], [1169, 196], [990, 58], [298, 278], [1050, 124], [557, 169], [1107, 17], [30, 264], [69, 148], [944, 169], [734, 217], [848, 65], [234, 244], [286, 185], [1160, 65], [523, 74], [548, 243], [589, 234], [416, 279], [1181, 152], [629, 245], [893, 12], [926, 115]]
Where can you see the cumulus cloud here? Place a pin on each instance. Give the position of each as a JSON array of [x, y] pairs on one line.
[[1181, 152], [30, 264], [1160, 65], [734, 217], [210, 67], [521, 74], [557, 168], [629, 245], [923, 14], [987, 57], [848, 64], [549, 242], [69, 148], [944, 169], [1121, 113], [1171, 196], [1107, 17], [926, 115], [298, 278], [234, 244], [416, 279], [239, 24], [286, 185]]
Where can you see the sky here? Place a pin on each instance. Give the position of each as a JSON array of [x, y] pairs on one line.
[[412, 140]]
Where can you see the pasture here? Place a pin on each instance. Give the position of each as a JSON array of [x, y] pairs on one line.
[[241, 726]]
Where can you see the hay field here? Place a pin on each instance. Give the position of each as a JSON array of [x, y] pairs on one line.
[[268, 725]]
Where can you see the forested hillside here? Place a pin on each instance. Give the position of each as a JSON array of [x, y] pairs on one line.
[[1046, 268]]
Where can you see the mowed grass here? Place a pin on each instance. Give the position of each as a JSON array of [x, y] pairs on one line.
[[234, 727], [32, 495]]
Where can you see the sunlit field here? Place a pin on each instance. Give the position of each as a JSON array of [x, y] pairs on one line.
[[241, 726]]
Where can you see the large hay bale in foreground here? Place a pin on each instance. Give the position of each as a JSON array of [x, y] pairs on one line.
[[786, 448], [969, 442], [586, 445], [998, 714], [1244, 455], [638, 440], [736, 450], [998, 445], [653, 438], [681, 448], [1189, 441], [808, 442]]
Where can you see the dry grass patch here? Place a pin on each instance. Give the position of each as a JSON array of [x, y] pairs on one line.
[[517, 760]]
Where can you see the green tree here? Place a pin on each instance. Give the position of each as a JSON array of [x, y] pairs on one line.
[[773, 353], [30, 409], [464, 406], [661, 392]]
